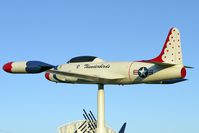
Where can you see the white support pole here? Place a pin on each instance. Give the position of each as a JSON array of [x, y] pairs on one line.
[[100, 110]]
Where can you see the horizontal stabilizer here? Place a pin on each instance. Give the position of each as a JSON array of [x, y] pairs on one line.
[[165, 64], [160, 63], [171, 81], [189, 67]]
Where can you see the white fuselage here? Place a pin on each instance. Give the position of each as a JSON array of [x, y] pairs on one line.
[[130, 72]]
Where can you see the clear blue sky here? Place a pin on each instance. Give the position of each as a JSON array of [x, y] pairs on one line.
[[55, 31]]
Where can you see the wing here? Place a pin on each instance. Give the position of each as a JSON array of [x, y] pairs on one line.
[[91, 77]]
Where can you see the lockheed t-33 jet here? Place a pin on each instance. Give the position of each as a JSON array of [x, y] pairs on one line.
[[166, 68]]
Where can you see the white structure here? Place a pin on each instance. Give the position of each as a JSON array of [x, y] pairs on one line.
[[80, 127]]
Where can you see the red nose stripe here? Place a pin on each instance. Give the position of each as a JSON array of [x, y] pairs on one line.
[[8, 67], [47, 75]]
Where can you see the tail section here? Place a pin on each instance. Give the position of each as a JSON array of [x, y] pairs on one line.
[[171, 52]]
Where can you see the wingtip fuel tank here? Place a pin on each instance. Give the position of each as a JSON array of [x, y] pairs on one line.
[[26, 67]]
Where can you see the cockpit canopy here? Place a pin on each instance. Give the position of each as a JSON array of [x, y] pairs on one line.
[[85, 59]]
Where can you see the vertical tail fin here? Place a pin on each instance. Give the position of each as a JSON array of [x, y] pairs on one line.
[[171, 52]]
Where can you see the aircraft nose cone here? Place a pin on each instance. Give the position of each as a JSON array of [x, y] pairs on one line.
[[8, 67], [47, 75]]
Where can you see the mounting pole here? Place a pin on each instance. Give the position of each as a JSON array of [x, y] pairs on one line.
[[100, 110]]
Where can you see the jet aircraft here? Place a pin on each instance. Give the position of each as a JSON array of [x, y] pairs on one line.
[[166, 68]]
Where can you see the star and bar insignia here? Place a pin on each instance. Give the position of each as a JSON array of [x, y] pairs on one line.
[[143, 72]]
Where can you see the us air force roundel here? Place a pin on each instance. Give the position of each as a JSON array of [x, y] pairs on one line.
[[143, 72]]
